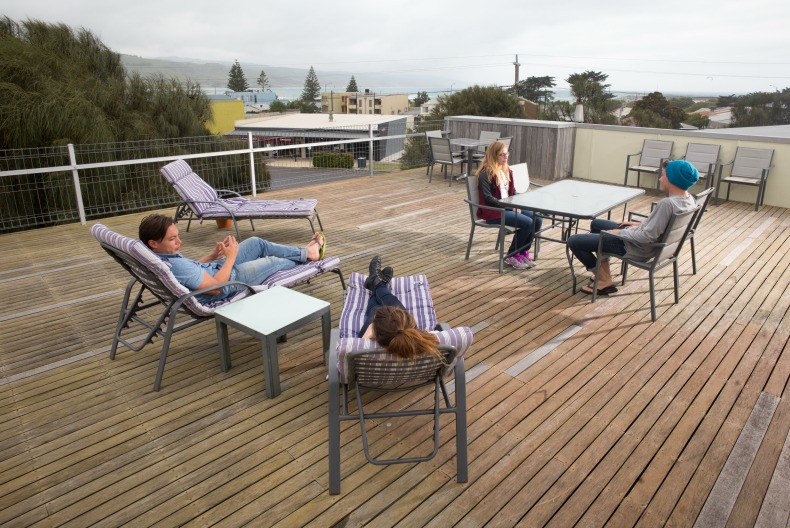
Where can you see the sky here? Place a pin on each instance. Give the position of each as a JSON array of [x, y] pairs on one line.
[[704, 47]]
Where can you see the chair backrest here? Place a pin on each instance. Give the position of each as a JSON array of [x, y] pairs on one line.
[[520, 177], [488, 136], [440, 149], [506, 141], [653, 151], [751, 162], [473, 194], [191, 187], [677, 230], [377, 367], [149, 269], [703, 157], [433, 133], [702, 201]]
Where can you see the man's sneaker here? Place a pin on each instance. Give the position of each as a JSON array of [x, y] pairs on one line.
[[525, 260], [513, 262]]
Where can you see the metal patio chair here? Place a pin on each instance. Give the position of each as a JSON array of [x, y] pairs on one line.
[[705, 158], [361, 364], [749, 167], [668, 246], [165, 296], [652, 155], [473, 199], [442, 154], [202, 201]]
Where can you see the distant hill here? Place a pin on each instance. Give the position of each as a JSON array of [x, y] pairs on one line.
[[215, 75]]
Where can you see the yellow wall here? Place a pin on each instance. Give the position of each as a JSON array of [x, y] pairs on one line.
[[225, 114], [600, 154]]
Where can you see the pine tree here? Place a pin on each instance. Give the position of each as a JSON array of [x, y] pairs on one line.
[[263, 81], [311, 95], [352, 85], [237, 82]]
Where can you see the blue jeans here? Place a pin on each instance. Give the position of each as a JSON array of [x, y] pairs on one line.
[[585, 245], [382, 296], [523, 221], [259, 259]]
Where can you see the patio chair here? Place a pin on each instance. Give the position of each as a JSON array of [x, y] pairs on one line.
[[702, 200], [652, 155], [749, 167], [430, 134], [473, 199], [202, 201], [488, 136], [150, 274], [442, 154], [361, 363], [669, 247], [704, 158]]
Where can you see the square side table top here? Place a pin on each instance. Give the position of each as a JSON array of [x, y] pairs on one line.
[[270, 310]]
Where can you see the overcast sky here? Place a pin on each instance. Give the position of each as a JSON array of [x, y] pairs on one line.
[[705, 47]]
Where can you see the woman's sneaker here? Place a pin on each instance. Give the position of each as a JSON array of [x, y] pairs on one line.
[[525, 260], [513, 262]]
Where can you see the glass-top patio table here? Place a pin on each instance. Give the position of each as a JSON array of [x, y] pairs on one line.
[[572, 200], [469, 145]]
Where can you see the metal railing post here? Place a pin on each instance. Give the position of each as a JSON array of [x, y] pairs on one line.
[[75, 175], [252, 164], [370, 150]]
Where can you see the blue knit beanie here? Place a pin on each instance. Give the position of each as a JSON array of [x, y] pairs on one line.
[[681, 173]]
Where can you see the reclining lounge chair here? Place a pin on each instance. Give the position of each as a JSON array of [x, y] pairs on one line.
[[202, 201], [152, 277]]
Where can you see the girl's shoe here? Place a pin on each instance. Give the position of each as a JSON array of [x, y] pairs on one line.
[[513, 262], [524, 259]]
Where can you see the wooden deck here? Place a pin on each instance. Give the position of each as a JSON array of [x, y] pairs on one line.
[[579, 414]]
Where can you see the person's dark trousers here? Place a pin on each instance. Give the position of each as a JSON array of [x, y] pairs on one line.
[[382, 296], [585, 245]]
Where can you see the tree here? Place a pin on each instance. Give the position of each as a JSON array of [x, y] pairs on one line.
[[62, 86], [278, 106], [762, 109], [681, 102], [422, 98], [698, 120], [655, 111], [490, 101], [237, 82], [536, 89], [311, 94], [589, 90], [263, 82], [352, 85]]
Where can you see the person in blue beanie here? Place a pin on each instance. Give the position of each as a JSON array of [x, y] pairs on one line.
[[676, 178]]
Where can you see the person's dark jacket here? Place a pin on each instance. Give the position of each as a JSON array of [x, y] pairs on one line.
[[490, 195]]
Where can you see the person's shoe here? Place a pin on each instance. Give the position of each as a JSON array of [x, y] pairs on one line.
[[525, 260], [374, 269], [386, 274], [513, 262]]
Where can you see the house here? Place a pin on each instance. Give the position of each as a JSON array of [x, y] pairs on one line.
[[366, 102]]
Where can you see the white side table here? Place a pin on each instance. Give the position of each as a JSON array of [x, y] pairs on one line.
[[268, 315]]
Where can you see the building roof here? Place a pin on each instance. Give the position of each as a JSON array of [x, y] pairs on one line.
[[299, 121], [777, 131]]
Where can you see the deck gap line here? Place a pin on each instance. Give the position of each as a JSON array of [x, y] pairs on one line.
[[748, 241], [775, 510], [395, 218], [470, 374], [39, 273], [369, 250], [482, 325], [395, 206], [718, 506], [533, 357], [43, 264], [59, 305], [379, 196]]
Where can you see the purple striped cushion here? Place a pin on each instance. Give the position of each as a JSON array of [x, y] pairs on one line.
[[302, 272], [189, 185], [193, 189], [412, 291], [391, 368], [244, 208]]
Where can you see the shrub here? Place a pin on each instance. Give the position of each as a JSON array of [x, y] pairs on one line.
[[333, 160]]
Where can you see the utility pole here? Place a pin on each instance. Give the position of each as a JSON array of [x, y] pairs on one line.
[[516, 64]]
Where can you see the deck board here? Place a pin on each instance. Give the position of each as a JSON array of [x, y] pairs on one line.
[[622, 422]]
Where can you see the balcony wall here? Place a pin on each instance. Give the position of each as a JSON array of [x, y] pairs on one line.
[[557, 150], [600, 154]]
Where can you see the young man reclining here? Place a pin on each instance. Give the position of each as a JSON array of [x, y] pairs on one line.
[[251, 262]]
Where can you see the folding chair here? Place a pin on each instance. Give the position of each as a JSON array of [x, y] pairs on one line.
[[362, 364], [202, 201], [750, 167], [652, 155], [168, 297], [473, 200]]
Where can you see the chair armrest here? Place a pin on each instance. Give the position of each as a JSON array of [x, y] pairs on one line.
[[443, 327], [489, 207], [228, 191], [632, 214], [533, 184]]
